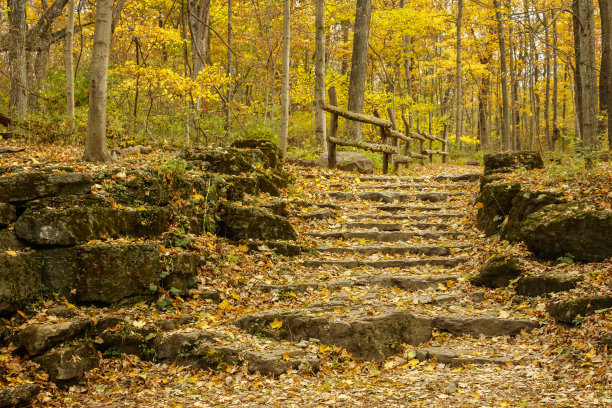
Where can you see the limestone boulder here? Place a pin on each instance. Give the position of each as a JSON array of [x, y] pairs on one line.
[[102, 273], [574, 229], [495, 202], [39, 337], [68, 364], [238, 222], [566, 311], [79, 219], [528, 160], [268, 148], [524, 204], [351, 161], [498, 271], [20, 279], [226, 161], [19, 188], [7, 214], [19, 395]]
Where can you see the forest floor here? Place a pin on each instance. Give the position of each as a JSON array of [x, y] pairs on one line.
[[551, 366]]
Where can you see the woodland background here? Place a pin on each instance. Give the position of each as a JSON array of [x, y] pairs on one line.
[[550, 58]]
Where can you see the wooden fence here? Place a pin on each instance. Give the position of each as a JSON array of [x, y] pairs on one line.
[[389, 134]]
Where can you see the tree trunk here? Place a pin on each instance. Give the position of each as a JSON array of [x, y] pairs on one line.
[[284, 130], [228, 97], [556, 135], [68, 63], [547, 92], [585, 77], [605, 75], [505, 119], [514, 114], [359, 64], [95, 148], [483, 103], [17, 58], [320, 123], [459, 107]]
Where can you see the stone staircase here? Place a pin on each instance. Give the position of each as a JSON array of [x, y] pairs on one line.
[[385, 275]]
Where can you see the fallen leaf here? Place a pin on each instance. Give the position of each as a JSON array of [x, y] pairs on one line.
[[276, 324]]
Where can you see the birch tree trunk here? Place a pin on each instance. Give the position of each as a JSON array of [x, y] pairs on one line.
[[359, 64], [284, 131], [69, 65], [505, 119], [17, 58], [320, 123], [95, 148]]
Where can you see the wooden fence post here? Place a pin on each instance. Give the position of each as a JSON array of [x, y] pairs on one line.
[[408, 129], [395, 141], [430, 140], [333, 129], [383, 136], [444, 148]]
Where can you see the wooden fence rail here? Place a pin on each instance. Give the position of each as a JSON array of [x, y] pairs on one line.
[[389, 134]]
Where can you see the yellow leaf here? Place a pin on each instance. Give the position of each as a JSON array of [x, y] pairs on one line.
[[34, 160], [357, 180], [441, 287], [456, 370], [590, 353], [235, 295], [244, 248], [225, 305], [20, 313], [450, 283], [414, 362], [197, 196], [480, 205], [142, 208], [11, 253], [286, 356], [276, 324]]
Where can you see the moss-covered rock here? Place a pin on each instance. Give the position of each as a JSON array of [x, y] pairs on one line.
[[238, 222], [577, 229], [268, 148], [102, 273], [226, 161], [136, 187], [541, 284], [20, 188], [495, 203], [526, 159], [524, 204], [68, 364], [9, 241], [7, 214], [71, 220], [181, 272], [498, 271], [20, 280], [566, 311]]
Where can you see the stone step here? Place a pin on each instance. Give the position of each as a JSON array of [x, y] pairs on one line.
[[385, 263], [441, 177], [390, 197], [387, 226], [404, 216], [438, 250], [460, 357], [406, 282], [375, 334], [385, 236], [405, 186], [19, 188]]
